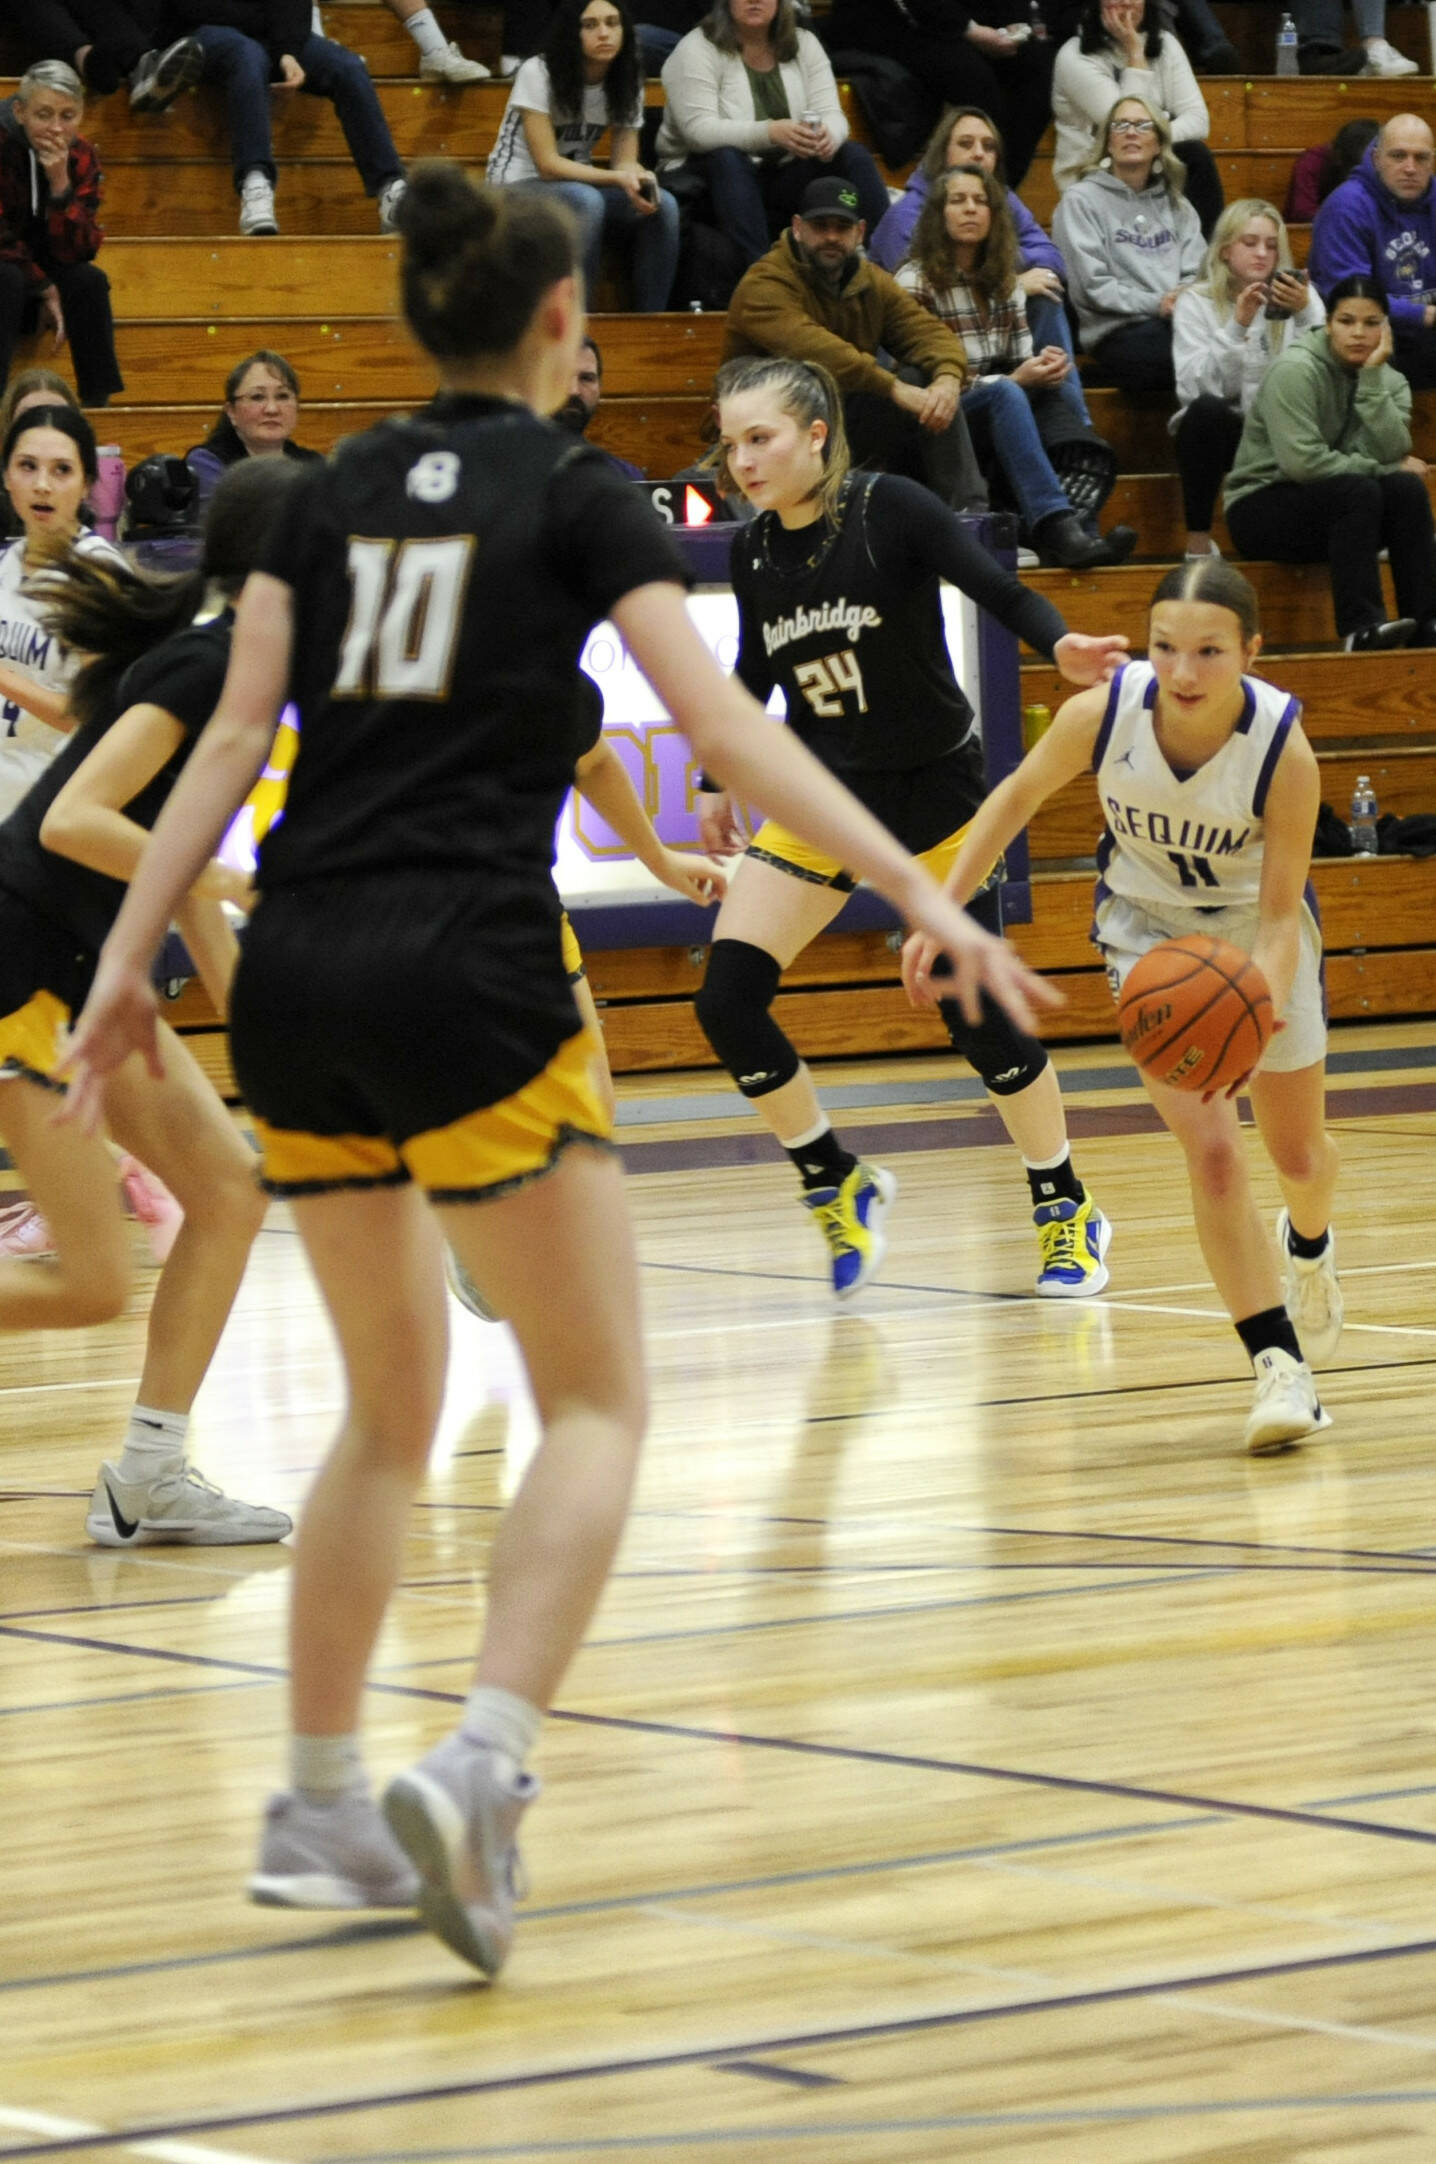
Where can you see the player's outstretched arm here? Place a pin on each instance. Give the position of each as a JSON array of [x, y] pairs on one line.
[[602, 778], [1057, 758], [769, 766], [119, 1016]]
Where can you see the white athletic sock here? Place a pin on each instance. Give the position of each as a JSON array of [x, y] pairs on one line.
[[324, 1768], [806, 1141], [154, 1444], [1048, 1164], [424, 29], [505, 1722]]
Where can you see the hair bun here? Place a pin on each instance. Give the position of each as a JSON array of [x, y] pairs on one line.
[[442, 212]]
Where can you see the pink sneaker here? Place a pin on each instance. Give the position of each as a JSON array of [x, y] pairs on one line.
[[24, 1235], [152, 1205]]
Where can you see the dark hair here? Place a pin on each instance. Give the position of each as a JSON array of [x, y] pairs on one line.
[[264, 358], [596, 350], [477, 259], [103, 606], [1345, 152], [1209, 579], [934, 158], [1360, 286], [563, 57], [717, 27], [26, 384], [1092, 35], [805, 390], [935, 252], [68, 420]]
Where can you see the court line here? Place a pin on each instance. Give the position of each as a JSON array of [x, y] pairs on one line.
[[714, 2054], [131, 1698], [21, 2121]]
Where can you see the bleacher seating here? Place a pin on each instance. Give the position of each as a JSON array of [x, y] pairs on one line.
[[191, 297]]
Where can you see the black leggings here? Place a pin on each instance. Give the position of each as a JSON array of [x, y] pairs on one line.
[[1206, 443], [1204, 190], [1137, 357], [84, 292], [1348, 520]]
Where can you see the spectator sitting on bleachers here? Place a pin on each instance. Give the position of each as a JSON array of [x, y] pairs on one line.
[[1319, 40], [965, 136], [963, 267], [579, 408], [1325, 166], [1381, 224], [751, 103], [1226, 332], [1122, 50], [255, 47], [261, 413], [107, 43], [585, 83], [440, 59], [1131, 240], [812, 297], [1325, 472], [50, 232]]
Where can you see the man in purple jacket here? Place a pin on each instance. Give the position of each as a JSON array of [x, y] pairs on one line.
[[1382, 223]]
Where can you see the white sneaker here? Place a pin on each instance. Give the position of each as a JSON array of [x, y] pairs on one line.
[[390, 198], [1285, 1406], [451, 66], [456, 1817], [178, 1509], [1027, 559], [256, 205], [1383, 59], [509, 65], [338, 1855], [1313, 1294]]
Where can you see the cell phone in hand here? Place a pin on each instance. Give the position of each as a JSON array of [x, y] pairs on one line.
[[648, 189]]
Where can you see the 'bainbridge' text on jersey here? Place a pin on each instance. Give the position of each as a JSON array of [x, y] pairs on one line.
[[1165, 833], [840, 615]]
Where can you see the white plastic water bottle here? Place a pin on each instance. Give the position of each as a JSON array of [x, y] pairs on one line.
[[1286, 47], [1363, 817]]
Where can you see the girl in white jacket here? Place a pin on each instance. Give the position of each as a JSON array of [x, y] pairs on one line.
[[1226, 332], [1121, 50]]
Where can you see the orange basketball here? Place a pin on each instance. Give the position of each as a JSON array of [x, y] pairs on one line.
[[1195, 1013]]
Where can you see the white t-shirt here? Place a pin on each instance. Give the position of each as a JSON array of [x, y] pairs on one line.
[[510, 160], [28, 744]]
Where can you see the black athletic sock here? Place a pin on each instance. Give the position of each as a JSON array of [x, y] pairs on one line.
[[822, 1162], [1307, 1250], [1055, 1183], [1270, 1331]]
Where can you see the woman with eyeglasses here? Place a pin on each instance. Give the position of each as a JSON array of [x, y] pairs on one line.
[[1120, 48], [1131, 241], [261, 413]]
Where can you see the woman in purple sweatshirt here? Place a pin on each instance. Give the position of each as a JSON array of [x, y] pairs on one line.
[[965, 136]]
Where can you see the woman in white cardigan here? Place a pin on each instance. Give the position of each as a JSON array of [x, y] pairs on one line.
[[752, 104], [1121, 50]]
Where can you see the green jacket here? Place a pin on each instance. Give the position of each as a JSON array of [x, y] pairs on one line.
[[778, 308], [1314, 419]]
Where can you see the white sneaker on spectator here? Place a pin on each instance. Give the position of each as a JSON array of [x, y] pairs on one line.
[[159, 75], [509, 65], [390, 198], [256, 205], [1383, 59], [451, 66]]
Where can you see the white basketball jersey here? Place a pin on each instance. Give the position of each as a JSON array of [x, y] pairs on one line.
[[28, 744], [1194, 839]]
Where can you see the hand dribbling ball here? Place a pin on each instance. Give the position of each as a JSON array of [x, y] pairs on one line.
[[1196, 1013]]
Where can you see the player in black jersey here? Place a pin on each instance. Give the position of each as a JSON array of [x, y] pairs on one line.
[[65, 852], [402, 1024], [837, 583]]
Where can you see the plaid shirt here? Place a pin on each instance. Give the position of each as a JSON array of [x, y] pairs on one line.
[[36, 233], [996, 340]]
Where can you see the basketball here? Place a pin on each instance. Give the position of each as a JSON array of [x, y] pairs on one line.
[[1196, 1013]]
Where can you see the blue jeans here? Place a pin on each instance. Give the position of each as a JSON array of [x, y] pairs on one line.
[[1003, 406], [752, 203], [1047, 321], [655, 236], [655, 44], [241, 65]]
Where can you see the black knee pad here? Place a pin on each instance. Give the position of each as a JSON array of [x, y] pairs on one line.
[[732, 1009], [1006, 1059]]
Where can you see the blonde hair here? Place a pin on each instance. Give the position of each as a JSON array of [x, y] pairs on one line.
[[1216, 278], [1099, 157], [809, 394]]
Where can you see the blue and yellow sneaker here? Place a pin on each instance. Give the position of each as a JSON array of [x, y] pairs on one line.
[[850, 1219], [1074, 1238]]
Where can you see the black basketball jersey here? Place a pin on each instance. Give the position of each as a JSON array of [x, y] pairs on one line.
[[846, 619], [446, 571], [184, 675]]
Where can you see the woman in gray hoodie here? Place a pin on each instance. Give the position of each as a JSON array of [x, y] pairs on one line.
[[1131, 241], [1325, 472]]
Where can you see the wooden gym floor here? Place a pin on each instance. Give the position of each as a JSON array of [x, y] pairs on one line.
[[975, 1756]]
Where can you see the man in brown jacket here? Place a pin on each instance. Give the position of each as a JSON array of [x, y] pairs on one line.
[[812, 297]]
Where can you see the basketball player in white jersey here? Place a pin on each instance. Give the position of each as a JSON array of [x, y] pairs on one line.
[[1209, 791]]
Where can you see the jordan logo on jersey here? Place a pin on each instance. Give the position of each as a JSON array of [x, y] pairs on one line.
[[840, 615]]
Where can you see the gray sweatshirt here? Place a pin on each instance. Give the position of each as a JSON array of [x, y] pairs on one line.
[[1125, 248]]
